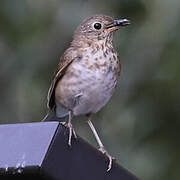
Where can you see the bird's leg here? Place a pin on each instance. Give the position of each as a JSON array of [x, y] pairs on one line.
[[101, 146], [71, 130]]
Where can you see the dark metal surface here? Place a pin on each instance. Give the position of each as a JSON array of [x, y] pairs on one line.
[[40, 150], [24, 146]]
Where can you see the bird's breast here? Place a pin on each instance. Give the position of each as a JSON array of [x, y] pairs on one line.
[[92, 79]]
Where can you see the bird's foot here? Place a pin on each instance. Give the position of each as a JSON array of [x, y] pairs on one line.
[[63, 123], [103, 150], [71, 130]]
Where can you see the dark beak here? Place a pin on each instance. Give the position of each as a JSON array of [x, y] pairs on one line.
[[119, 22]]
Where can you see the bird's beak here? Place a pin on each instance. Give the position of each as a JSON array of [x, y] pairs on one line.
[[117, 23]]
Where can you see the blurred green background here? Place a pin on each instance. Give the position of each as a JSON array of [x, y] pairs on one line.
[[140, 125]]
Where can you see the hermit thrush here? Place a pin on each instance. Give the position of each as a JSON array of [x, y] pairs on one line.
[[87, 73]]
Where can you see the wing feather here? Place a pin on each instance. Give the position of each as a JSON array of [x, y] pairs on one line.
[[65, 61]]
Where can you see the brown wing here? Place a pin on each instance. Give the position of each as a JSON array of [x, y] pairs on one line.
[[65, 61]]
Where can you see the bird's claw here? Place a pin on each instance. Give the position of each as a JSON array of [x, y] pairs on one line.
[[71, 130], [111, 158], [63, 123]]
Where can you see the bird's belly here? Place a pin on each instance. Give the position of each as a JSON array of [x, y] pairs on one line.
[[86, 92], [95, 96]]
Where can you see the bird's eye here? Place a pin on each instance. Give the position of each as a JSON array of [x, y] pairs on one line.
[[97, 26]]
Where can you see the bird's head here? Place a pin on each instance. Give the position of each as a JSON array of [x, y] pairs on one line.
[[99, 27]]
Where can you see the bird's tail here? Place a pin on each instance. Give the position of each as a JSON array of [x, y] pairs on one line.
[[56, 114], [51, 116]]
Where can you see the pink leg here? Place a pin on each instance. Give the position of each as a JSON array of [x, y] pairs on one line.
[[101, 146], [71, 130]]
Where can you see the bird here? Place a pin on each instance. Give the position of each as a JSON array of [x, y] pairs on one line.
[[87, 74]]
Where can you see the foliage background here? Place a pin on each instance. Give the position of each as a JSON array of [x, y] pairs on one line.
[[140, 125]]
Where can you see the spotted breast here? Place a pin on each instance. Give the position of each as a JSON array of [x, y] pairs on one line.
[[90, 80]]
